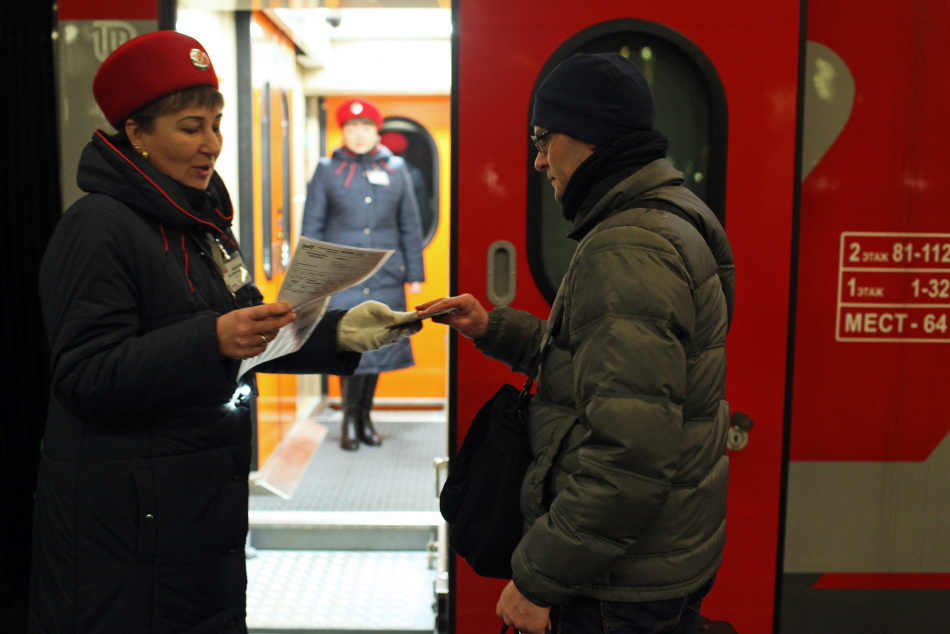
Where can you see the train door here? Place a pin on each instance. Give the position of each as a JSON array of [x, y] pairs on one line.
[[421, 122], [503, 50], [269, 167], [867, 519]]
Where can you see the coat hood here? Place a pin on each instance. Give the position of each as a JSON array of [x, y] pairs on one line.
[[379, 153], [108, 167]]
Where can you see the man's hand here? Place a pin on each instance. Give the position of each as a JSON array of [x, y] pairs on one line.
[[515, 610], [245, 332], [471, 320]]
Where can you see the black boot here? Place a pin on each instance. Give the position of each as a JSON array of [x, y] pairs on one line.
[[350, 390], [366, 431]]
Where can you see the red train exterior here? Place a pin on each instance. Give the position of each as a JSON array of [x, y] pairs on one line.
[[502, 47]]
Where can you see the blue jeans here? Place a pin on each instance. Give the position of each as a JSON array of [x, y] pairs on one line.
[[590, 616]]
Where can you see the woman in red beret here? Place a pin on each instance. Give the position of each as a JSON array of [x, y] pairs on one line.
[[141, 503], [362, 196]]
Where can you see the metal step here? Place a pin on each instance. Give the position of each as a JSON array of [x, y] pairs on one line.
[[342, 571], [353, 548], [344, 530]]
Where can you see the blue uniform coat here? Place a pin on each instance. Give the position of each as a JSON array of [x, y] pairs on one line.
[[367, 200]]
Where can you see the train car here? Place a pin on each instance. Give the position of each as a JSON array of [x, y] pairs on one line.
[[814, 132], [865, 517]]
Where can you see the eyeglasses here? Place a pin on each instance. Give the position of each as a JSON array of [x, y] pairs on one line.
[[540, 141]]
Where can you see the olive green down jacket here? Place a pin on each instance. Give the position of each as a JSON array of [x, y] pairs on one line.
[[625, 499]]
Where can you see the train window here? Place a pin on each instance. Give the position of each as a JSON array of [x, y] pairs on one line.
[[691, 112], [413, 142]]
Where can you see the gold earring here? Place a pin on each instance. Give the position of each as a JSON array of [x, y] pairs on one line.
[[141, 152]]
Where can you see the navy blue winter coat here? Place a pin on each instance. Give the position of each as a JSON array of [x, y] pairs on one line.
[[141, 503], [346, 207]]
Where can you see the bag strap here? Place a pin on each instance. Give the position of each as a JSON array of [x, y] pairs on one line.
[[525, 394], [667, 206], [526, 390]]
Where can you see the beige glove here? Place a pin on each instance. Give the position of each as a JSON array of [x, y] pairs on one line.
[[363, 327]]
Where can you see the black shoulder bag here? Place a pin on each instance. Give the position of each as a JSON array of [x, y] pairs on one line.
[[481, 497]]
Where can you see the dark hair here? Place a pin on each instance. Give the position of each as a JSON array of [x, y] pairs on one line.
[[202, 96]]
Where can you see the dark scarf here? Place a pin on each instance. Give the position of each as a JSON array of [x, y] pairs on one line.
[[621, 157]]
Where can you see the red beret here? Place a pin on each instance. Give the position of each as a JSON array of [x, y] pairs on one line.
[[395, 141], [363, 108], [147, 68]]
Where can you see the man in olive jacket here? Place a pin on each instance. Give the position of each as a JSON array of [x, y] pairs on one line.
[[625, 499]]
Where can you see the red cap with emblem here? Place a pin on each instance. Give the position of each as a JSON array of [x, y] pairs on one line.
[[147, 68], [359, 108]]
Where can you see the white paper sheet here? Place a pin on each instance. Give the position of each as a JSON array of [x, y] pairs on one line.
[[317, 270]]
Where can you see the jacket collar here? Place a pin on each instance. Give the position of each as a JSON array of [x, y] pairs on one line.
[[378, 153], [621, 191], [109, 167]]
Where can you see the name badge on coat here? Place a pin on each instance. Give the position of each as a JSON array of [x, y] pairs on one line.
[[231, 265], [378, 177]]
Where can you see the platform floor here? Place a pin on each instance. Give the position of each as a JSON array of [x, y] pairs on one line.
[[396, 476], [303, 589]]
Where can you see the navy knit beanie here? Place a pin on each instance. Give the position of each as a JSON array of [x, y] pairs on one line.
[[595, 98]]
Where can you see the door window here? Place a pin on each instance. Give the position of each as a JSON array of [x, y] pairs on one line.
[[413, 142], [691, 112]]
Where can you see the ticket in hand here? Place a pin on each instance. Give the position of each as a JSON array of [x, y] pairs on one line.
[[416, 317]]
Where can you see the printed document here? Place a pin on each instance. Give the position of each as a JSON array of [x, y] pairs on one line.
[[317, 270]]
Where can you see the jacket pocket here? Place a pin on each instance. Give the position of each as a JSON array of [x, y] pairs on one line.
[[148, 529], [540, 483]]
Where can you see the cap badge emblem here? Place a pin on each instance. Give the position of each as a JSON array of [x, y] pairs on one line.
[[200, 59], [356, 108]]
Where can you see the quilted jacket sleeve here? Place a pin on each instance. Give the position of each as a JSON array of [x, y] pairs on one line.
[[319, 354], [514, 338]]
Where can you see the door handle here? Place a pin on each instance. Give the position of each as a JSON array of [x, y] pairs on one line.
[[501, 273]]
